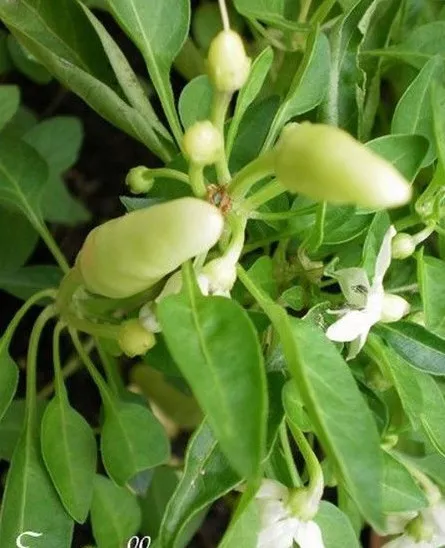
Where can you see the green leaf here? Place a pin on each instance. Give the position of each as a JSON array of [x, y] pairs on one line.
[[9, 378], [414, 111], [342, 421], [69, 452], [433, 411], [405, 152], [162, 486], [244, 532], [9, 103], [215, 345], [159, 31], [252, 132], [308, 87], [273, 12], [373, 241], [401, 493], [26, 63], [23, 175], [343, 102], [416, 345], [336, 528], [195, 101], [30, 502], [430, 272], [125, 75], [249, 92], [100, 97], [421, 45], [26, 281], [61, 28], [132, 441], [22, 239], [58, 141], [207, 476], [377, 34], [402, 376], [115, 514]]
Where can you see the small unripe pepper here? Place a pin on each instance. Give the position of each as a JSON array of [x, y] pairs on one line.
[[134, 339], [228, 65], [203, 143], [325, 163], [129, 254]]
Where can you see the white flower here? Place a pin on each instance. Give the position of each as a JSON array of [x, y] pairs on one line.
[[368, 303], [279, 527], [430, 528]]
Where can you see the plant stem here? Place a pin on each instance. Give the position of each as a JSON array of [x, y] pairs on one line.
[[111, 370], [51, 244], [267, 192], [256, 170], [287, 452], [281, 215], [95, 375], [58, 377], [72, 365], [107, 330], [31, 365], [169, 173], [315, 473], [221, 102], [196, 175], [224, 14], [13, 324]]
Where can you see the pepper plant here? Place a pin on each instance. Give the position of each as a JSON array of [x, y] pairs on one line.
[[278, 281]]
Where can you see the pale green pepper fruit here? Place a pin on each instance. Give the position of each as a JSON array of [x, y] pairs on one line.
[[327, 164], [130, 254], [227, 63]]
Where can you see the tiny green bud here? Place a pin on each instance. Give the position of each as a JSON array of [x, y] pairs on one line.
[[375, 378], [402, 246], [134, 339], [394, 308], [327, 164], [203, 143], [228, 64], [139, 180]]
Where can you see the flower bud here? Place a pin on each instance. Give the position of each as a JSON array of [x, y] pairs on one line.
[[217, 277], [134, 339], [130, 254], [326, 163], [228, 64], [139, 180], [203, 143], [394, 308], [402, 246]]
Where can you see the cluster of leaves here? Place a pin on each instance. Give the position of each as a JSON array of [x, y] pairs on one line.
[[372, 67]]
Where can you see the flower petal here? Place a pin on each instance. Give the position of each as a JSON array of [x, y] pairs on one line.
[[350, 326], [405, 541], [278, 535], [271, 511], [271, 489], [384, 256], [354, 285], [309, 535], [357, 344]]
